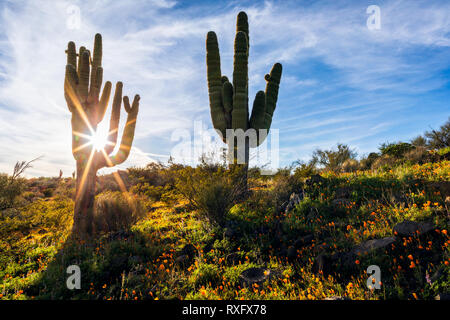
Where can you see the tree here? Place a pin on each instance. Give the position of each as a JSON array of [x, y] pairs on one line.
[[334, 158], [438, 139]]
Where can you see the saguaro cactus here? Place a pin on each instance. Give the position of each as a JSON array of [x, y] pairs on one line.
[[229, 101], [82, 86]]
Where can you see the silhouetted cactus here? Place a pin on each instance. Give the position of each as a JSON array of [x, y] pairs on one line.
[[229, 101], [82, 86]]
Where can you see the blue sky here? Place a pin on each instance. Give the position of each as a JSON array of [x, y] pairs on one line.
[[341, 81]]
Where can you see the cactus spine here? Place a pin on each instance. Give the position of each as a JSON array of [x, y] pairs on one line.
[[82, 86], [229, 101]]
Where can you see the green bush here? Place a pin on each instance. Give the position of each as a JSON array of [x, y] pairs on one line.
[[396, 150], [205, 274], [333, 159], [116, 211], [211, 189]]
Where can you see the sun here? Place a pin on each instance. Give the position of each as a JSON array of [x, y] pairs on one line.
[[99, 139]]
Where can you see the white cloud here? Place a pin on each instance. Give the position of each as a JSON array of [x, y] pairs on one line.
[[158, 51]]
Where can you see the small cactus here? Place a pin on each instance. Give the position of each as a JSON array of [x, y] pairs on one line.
[[229, 101], [82, 86]]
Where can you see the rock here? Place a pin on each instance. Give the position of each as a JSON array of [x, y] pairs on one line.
[[321, 263], [294, 200], [442, 186], [371, 245], [326, 263], [256, 275], [303, 241], [411, 228]]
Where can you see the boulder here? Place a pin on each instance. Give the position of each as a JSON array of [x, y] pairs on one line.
[[371, 245], [442, 186], [304, 241], [326, 263], [409, 228], [256, 275], [294, 200]]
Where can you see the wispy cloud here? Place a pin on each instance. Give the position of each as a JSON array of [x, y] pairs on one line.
[[341, 81]]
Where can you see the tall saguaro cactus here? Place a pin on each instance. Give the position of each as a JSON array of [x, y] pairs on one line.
[[229, 101], [82, 86]]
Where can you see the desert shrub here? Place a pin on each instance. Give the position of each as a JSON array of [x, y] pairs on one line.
[[444, 152], [154, 181], [437, 139], [212, 189], [109, 182], [350, 165], [396, 150], [284, 184], [367, 162], [304, 169], [419, 141], [10, 189], [333, 159], [418, 155], [384, 162], [205, 274], [155, 174], [116, 211]]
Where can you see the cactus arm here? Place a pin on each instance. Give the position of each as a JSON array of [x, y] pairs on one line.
[[273, 83], [72, 54], [240, 83], [115, 118], [70, 85], [96, 82], [227, 100], [80, 54], [103, 103], [83, 76], [258, 111], [127, 136], [242, 25], [215, 83]]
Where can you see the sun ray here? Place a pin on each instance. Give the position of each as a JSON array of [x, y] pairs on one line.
[[116, 175], [85, 173]]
